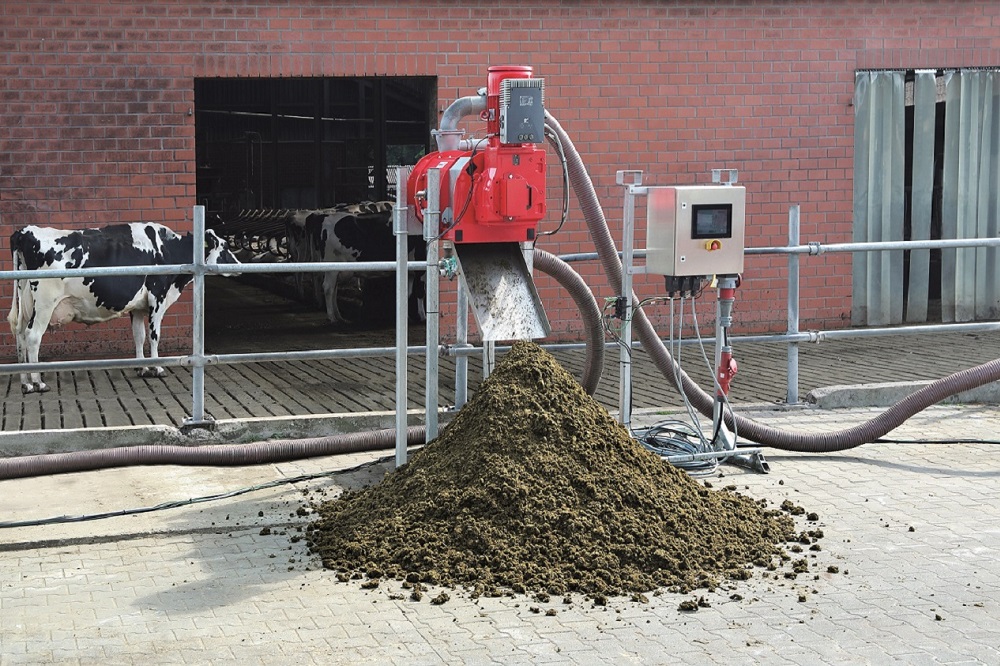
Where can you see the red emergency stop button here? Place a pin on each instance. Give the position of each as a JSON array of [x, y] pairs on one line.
[[713, 245]]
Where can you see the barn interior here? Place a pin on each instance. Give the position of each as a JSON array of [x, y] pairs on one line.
[[270, 149]]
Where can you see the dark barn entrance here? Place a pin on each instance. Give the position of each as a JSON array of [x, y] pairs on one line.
[[306, 142], [269, 149]]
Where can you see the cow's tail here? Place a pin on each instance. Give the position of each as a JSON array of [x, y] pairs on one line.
[[19, 306]]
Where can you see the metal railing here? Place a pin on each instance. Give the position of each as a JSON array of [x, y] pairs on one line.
[[792, 336], [198, 360], [794, 249]]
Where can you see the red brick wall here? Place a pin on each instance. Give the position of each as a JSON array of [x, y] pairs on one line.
[[97, 98]]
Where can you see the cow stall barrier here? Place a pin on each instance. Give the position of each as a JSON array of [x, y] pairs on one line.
[[285, 449], [793, 335]]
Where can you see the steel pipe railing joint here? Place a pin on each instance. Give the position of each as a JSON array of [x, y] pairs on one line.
[[456, 350], [195, 360]]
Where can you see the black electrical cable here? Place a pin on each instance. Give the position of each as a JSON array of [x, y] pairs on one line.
[[673, 438], [174, 504], [676, 438], [723, 341], [470, 169], [607, 319], [615, 335], [557, 143]]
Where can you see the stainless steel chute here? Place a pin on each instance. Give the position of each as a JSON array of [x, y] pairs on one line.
[[501, 292]]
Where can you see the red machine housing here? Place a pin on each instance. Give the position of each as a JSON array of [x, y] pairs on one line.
[[494, 193]]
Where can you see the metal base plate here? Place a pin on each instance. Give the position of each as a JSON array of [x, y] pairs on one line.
[[501, 292]]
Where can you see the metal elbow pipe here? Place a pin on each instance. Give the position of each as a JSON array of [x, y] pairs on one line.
[[448, 136]]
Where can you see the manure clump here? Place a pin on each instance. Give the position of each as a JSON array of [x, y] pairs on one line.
[[534, 487]]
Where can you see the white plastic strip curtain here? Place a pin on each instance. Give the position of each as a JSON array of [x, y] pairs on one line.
[[921, 192], [879, 154], [970, 199], [971, 194]]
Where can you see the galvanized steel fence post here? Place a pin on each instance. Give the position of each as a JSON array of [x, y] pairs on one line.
[[198, 324], [792, 375], [630, 179], [462, 343], [399, 228], [432, 226]]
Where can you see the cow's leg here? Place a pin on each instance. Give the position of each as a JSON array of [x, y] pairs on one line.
[[139, 335], [30, 341], [155, 323], [319, 287], [420, 298], [17, 324], [28, 380], [331, 282]]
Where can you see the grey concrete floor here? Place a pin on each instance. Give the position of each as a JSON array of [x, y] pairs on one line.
[[911, 528]]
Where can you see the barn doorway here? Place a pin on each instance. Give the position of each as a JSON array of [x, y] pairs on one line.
[[268, 147], [313, 142]]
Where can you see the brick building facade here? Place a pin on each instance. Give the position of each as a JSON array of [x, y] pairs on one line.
[[98, 124]]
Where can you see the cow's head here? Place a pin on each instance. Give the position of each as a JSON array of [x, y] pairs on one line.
[[217, 250]]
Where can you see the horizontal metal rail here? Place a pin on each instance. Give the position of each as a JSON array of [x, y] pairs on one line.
[[217, 269], [467, 350], [193, 360], [815, 249]]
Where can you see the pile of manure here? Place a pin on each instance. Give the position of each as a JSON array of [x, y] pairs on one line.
[[534, 487]]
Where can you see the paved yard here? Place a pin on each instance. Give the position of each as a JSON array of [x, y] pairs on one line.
[[914, 530]]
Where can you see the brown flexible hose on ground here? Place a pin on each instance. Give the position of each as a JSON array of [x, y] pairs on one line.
[[216, 455]]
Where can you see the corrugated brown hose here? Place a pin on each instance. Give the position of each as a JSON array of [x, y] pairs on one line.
[[864, 433], [257, 453], [571, 281], [214, 455]]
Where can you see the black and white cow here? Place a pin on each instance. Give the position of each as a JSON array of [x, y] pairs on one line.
[[348, 233], [302, 233], [363, 237], [39, 304]]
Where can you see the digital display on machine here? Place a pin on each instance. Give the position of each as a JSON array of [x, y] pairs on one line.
[[712, 221]]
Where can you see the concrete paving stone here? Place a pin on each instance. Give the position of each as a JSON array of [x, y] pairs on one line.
[[920, 659], [824, 652], [425, 660], [568, 641], [982, 652], [790, 653], [473, 657], [947, 655], [696, 658]]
